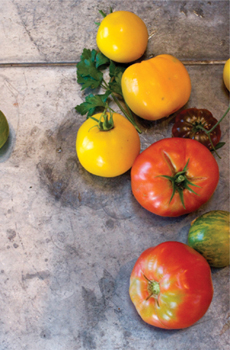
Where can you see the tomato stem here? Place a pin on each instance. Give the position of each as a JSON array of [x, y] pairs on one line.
[[105, 122], [180, 182], [209, 137], [153, 288], [128, 116], [95, 119], [209, 131]]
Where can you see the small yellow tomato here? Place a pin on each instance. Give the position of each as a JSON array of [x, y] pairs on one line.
[[122, 36], [107, 153], [157, 87], [226, 74]]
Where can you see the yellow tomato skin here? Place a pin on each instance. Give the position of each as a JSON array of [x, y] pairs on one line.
[[122, 36], [157, 87], [226, 74], [107, 153]]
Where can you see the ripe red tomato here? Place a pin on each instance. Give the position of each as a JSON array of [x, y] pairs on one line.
[[174, 176], [171, 285]]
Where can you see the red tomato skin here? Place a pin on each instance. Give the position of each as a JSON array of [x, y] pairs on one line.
[[186, 288], [153, 192]]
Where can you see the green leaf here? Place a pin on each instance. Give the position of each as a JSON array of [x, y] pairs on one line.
[[114, 69], [101, 60], [91, 103], [116, 73], [88, 74], [218, 146]]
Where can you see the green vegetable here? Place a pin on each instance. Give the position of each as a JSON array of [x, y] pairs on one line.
[[209, 235], [90, 76], [4, 129]]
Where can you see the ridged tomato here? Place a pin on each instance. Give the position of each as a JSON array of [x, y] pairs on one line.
[[171, 285], [157, 87], [174, 176]]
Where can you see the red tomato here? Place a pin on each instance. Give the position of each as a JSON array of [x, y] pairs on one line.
[[174, 176], [171, 285]]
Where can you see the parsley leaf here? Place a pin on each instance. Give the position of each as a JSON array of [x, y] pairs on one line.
[[88, 74], [101, 60], [115, 73], [92, 102]]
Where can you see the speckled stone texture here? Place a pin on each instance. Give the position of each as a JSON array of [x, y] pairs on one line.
[[69, 239]]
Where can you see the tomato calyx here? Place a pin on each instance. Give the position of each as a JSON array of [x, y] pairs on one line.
[[153, 288], [105, 122], [180, 181], [103, 15]]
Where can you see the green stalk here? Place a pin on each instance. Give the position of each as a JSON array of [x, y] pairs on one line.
[[209, 131], [125, 113], [95, 119], [209, 137], [128, 115]]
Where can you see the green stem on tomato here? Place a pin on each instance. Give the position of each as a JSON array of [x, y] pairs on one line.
[[209, 131], [153, 288], [128, 115], [180, 181], [209, 137], [95, 119], [132, 121]]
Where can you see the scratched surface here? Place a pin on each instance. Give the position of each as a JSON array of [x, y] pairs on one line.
[[69, 239]]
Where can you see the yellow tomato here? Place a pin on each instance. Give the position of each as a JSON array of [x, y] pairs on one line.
[[122, 36], [226, 74], [107, 153], [157, 87]]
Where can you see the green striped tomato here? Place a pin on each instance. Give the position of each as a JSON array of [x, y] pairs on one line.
[[209, 235]]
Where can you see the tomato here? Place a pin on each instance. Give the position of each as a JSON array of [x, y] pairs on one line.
[[107, 153], [157, 87], [174, 176], [209, 234], [4, 129], [226, 74], [122, 36], [192, 123], [171, 285]]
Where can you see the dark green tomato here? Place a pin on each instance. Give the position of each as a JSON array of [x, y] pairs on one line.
[[189, 124]]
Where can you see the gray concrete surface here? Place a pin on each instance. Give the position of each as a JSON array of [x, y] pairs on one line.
[[69, 239]]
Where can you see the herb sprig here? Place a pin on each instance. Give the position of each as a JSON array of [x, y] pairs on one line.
[[90, 75]]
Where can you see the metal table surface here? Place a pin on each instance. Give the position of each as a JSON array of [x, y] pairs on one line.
[[69, 239]]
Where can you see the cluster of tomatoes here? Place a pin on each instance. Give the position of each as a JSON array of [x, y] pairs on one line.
[[171, 284]]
